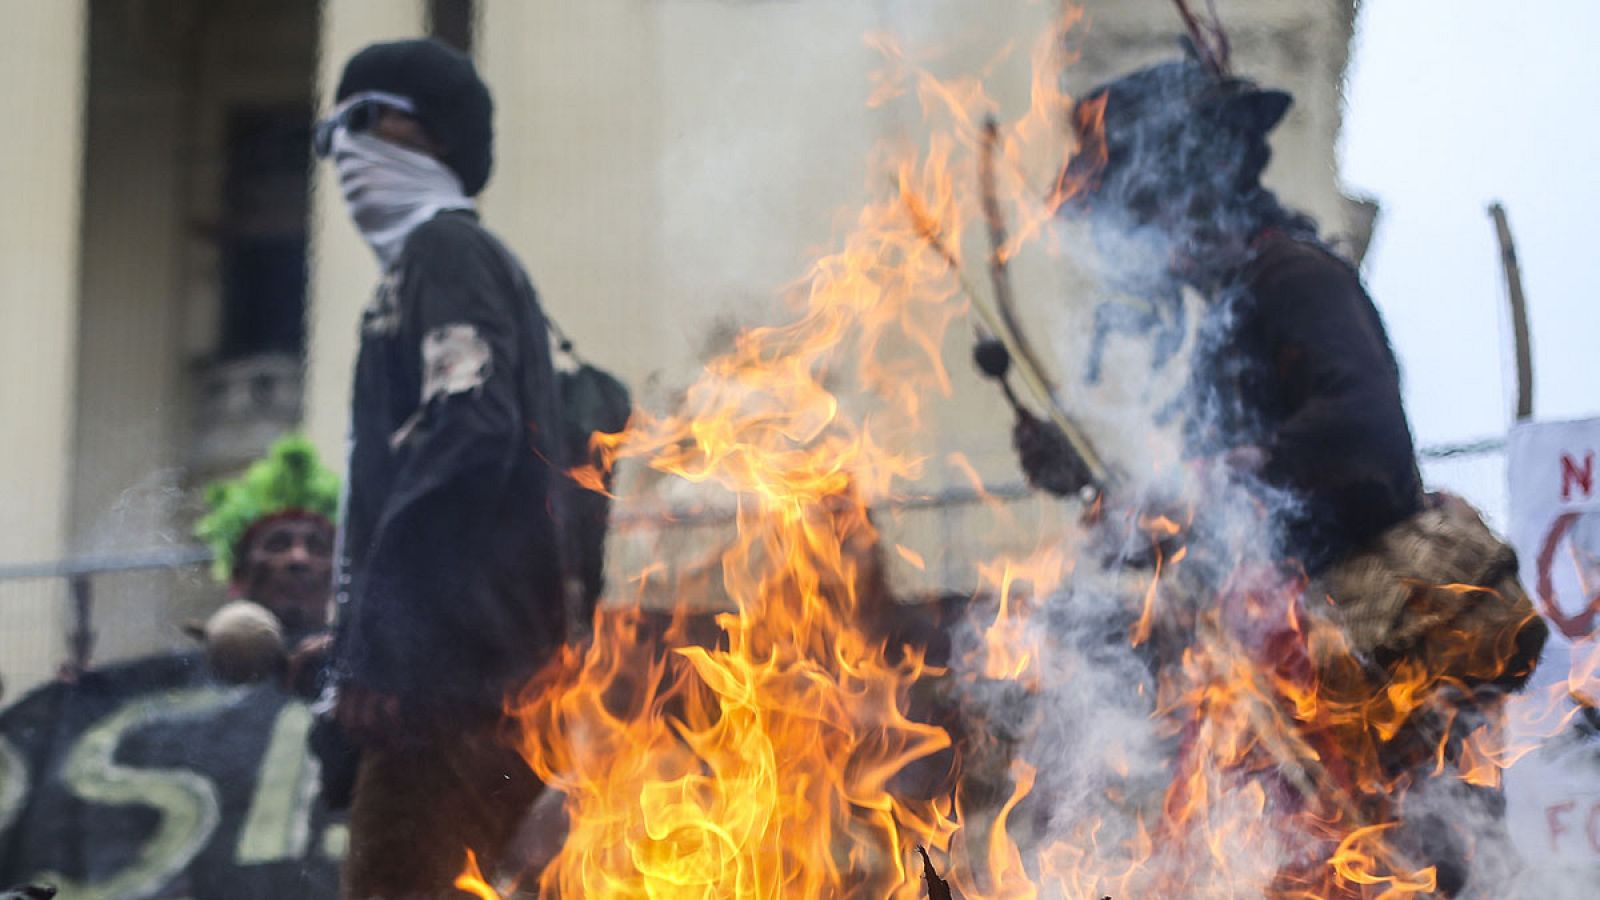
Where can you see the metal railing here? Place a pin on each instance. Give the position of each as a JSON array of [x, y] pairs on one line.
[[941, 536], [1462, 449], [80, 574]]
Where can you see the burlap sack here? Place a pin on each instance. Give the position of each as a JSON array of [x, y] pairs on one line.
[[1440, 588]]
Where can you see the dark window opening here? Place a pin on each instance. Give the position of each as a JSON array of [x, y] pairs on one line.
[[451, 21], [263, 283], [263, 241]]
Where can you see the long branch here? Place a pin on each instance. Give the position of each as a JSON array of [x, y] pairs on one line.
[[927, 228]]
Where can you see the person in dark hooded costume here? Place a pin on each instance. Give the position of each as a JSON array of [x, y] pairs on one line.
[[451, 574], [1302, 387], [1294, 385]]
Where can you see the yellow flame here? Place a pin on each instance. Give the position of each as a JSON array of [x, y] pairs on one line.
[[471, 880], [768, 762]]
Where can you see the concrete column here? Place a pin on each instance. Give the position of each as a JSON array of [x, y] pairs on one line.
[[42, 59], [129, 388], [42, 55], [343, 271]]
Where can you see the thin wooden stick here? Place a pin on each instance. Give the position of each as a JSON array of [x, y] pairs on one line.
[[928, 229], [1519, 312], [1210, 44], [999, 267]]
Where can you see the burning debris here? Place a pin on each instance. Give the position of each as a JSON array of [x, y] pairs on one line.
[[1168, 704]]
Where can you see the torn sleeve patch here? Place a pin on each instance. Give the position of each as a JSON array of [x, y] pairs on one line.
[[455, 359]]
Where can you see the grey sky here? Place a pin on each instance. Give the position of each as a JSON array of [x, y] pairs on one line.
[[1454, 103]]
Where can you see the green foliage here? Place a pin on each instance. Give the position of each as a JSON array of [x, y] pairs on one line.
[[289, 478]]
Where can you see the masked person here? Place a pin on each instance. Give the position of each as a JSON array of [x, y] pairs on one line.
[[450, 575], [271, 534], [1293, 384]]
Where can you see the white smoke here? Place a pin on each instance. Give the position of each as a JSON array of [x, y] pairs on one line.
[[1104, 753]]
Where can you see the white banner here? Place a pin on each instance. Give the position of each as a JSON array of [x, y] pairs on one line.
[[1553, 793]]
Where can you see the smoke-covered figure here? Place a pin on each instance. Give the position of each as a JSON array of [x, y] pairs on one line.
[[1293, 377], [1293, 406]]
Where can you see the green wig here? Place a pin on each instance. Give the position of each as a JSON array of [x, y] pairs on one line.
[[290, 480]]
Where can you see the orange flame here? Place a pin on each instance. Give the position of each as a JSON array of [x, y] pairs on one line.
[[783, 754], [590, 478], [1008, 651], [471, 880], [761, 766]]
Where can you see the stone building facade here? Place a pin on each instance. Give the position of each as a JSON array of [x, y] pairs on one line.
[[180, 283]]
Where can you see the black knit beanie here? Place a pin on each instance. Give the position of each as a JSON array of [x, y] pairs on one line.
[[452, 102]]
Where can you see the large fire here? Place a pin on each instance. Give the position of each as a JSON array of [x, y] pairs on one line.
[[795, 754]]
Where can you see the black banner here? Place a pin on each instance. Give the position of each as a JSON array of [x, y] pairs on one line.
[[150, 780]]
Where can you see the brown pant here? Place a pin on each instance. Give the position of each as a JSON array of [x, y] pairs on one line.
[[420, 805]]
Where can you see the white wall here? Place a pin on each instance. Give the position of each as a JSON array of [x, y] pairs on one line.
[[666, 168]]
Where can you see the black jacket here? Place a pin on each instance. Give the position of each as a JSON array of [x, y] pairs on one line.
[[1314, 383], [450, 585]]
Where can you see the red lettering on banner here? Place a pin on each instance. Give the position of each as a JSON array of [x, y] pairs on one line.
[[1552, 816], [1572, 474]]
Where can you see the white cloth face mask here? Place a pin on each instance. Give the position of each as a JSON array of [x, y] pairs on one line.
[[390, 189]]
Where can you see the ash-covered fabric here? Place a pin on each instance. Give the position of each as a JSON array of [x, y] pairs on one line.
[[1441, 587], [455, 359], [1434, 602]]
